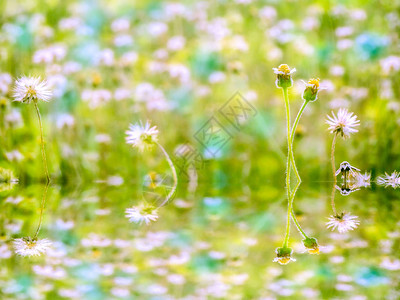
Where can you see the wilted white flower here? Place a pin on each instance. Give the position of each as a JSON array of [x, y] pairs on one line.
[[392, 180], [29, 89], [344, 123], [347, 188], [345, 168], [363, 180], [31, 247], [343, 222], [142, 213], [142, 137]]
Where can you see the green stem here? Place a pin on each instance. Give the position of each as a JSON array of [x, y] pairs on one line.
[[42, 143], [293, 214], [175, 176], [333, 173], [42, 209], [286, 97], [296, 122], [293, 165]]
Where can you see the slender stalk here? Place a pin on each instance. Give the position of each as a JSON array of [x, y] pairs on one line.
[[286, 97], [175, 176], [42, 209], [42, 143], [296, 122], [333, 173], [293, 214], [293, 163]]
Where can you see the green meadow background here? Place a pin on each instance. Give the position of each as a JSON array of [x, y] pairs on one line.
[[112, 63]]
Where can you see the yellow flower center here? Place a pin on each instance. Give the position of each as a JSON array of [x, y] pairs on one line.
[[148, 210], [284, 68], [30, 245], [31, 92], [314, 81], [314, 251], [284, 260]]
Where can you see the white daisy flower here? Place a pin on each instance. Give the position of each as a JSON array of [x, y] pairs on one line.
[[343, 222], [344, 123], [142, 137], [142, 213], [31, 247], [392, 180], [28, 89]]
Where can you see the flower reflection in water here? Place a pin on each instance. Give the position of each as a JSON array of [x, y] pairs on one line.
[[28, 246]]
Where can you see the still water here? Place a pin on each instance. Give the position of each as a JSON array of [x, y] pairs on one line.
[[206, 243]]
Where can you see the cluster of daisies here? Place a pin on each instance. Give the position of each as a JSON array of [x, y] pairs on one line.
[[342, 124], [145, 136], [33, 89]]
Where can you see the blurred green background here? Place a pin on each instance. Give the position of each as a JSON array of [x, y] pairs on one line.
[[112, 63]]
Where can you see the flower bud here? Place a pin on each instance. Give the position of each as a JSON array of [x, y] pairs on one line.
[[284, 76], [311, 91], [283, 255], [311, 245]]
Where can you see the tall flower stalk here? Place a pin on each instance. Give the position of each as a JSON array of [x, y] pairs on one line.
[[333, 173], [42, 206], [33, 89], [32, 246], [284, 81], [343, 124], [174, 175], [288, 192], [145, 137], [43, 150]]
